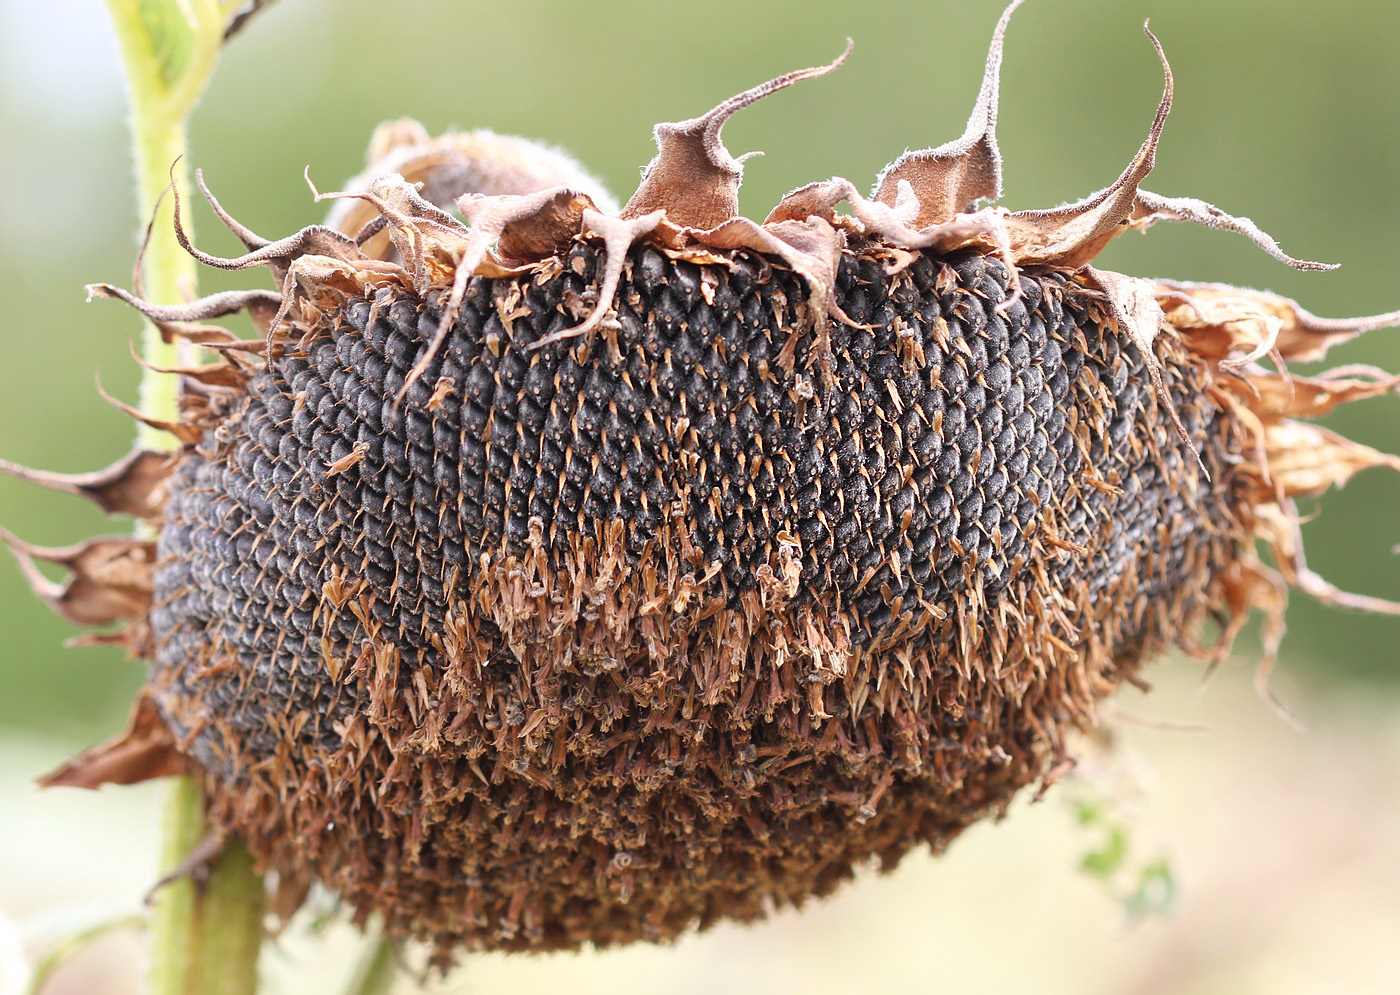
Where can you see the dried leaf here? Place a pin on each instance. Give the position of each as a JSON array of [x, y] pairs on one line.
[[214, 306], [316, 239], [458, 163], [812, 247], [425, 237], [251, 240], [522, 224], [1071, 236], [618, 236], [1151, 208]]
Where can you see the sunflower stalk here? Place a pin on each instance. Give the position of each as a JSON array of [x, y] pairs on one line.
[[205, 936]]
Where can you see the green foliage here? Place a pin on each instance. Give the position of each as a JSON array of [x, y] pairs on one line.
[[1142, 882]]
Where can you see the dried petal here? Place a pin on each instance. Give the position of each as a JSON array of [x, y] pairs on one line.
[[1302, 335], [1285, 541], [1307, 460], [890, 222], [1314, 397]]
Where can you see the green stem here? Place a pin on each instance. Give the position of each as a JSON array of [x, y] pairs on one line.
[[204, 940], [375, 973], [205, 936]]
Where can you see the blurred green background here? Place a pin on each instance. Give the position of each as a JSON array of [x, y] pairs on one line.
[[1285, 112]]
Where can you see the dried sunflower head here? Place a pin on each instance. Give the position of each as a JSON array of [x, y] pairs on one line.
[[581, 574]]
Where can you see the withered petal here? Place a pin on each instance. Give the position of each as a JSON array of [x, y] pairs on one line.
[[1307, 460], [886, 221], [224, 373], [1302, 336], [1286, 544], [389, 137], [1314, 397]]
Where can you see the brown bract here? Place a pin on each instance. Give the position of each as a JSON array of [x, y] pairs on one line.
[[622, 570]]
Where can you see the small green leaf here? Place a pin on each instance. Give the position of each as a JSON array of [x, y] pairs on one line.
[[1155, 894], [1087, 812], [1104, 862], [172, 32]]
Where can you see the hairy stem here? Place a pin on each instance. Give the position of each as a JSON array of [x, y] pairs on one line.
[[205, 939]]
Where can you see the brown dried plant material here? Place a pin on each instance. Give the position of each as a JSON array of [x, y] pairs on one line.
[[133, 485], [954, 177], [573, 576]]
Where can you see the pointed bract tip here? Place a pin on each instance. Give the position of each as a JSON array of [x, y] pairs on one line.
[[130, 486], [693, 177], [147, 749], [251, 240], [953, 177]]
